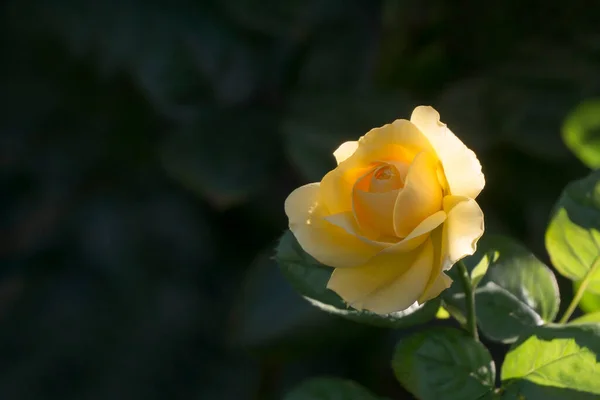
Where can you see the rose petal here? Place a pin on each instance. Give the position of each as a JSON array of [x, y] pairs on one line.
[[398, 142], [374, 211], [401, 167], [461, 166], [385, 178], [416, 238], [420, 197], [439, 284], [427, 225], [345, 150], [389, 282], [336, 186], [327, 243], [463, 228], [347, 222]]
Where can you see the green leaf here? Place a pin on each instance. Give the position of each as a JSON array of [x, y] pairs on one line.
[[527, 390], [501, 316], [310, 278], [478, 272], [330, 389], [572, 238], [516, 292], [589, 302], [313, 130], [444, 363], [581, 132], [442, 313], [562, 357], [586, 319]]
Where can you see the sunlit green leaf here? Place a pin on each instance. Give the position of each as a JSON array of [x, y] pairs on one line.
[[581, 132], [590, 302], [330, 389], [478, 272], [442, 313], [563, 357], [587, 318], [444, 363], [573, 237], [310, 279]]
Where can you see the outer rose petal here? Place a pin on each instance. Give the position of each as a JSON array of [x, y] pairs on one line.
[[327, 243], [347, 222], [416, 238], [454, 241], [461, 166], [420, 197], [463, 228], [387, 283], [396, 142], [427, 225], [440, 283], [345, 150]]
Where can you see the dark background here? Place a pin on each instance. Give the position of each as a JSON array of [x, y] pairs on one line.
[[146, 151]]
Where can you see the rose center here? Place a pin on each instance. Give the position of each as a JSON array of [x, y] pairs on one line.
[[385, 178], [385, 172]]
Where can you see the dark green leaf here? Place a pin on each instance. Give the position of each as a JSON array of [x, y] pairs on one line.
[[175, 52], [293, 18], [563, 357], [572, 238], [581, 132], [501, 316], [310, 279], [523, 100], [224, 156], [527, 390], [444, 364], [516, 292], [529, 96], [271, 316], [330, 389]]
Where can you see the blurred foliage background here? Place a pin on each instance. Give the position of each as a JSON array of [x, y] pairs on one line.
[[146, 150]]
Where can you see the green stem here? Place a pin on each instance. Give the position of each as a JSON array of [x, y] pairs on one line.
[[469, 299], [579, 294]]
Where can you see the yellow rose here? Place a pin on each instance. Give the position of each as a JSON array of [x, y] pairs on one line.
[[396, 212]]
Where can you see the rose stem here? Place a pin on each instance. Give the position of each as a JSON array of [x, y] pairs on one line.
[[469, 299]]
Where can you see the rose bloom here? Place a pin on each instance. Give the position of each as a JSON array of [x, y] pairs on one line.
[[396, 212]]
